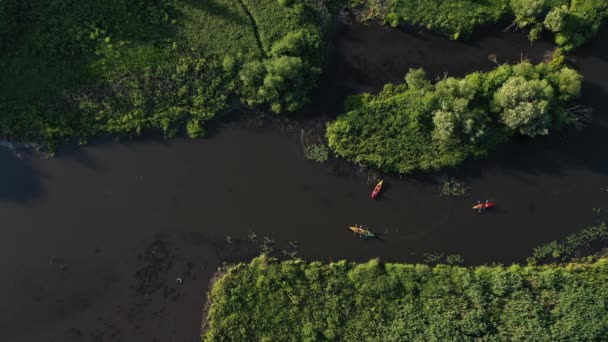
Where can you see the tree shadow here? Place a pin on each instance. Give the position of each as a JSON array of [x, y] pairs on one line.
[[214, 8]]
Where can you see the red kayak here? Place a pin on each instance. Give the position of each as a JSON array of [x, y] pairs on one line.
[[482, 206], [377, 189]]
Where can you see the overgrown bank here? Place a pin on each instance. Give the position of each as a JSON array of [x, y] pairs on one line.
[[267, 300], [572, 21], [80, 68], [423, 126]]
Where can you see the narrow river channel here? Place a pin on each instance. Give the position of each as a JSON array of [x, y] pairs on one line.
[[94, 239]]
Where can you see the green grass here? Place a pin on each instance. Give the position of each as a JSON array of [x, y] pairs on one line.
[[80, 68], [267, 300], [217, 27]]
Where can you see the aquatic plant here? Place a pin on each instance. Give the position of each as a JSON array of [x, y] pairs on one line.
[[432, 257], [266, 247], [371, 301], [572, 245], [452, 187], [317, 152], [454, 259]]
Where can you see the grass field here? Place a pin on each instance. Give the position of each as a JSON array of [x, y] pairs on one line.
[[80, 68]]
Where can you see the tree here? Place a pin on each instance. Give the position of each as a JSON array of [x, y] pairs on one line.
[[286, 83], [252, 77], [457, 119], [527, 11], [555, 19], [416, 79], [445, 125], [525, 105], [568, 83]]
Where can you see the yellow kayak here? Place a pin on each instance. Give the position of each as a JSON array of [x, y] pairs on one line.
[[361, 231]]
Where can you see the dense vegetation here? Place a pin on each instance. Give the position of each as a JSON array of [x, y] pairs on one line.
[[78, 68], [572, 21], [268, 300], [423, 126]]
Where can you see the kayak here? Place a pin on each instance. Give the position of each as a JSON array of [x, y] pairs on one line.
[[486, 205], [377, 189], [361, 231]]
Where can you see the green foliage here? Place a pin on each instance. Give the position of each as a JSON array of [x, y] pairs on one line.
[[556, 18], [525, 105], [79, 68], [345, 301], [421, 126], [317, 152], [527, 11], [457, 19], [572, 245], [573, 21]]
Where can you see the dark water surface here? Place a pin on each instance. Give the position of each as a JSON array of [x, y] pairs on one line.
[[94, 239]]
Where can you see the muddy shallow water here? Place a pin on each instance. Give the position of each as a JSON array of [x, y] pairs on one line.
[[94, 239]]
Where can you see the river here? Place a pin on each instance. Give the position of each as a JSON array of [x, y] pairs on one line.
[[95, 238]]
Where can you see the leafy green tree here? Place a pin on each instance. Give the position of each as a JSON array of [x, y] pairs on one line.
[[252, 77], [569, 83], [286, 83], [525, 105], [555, 19], [457, 118], [445, 123], [416, 79], [527, 11]]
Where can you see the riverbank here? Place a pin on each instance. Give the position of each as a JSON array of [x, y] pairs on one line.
[[267, 299]]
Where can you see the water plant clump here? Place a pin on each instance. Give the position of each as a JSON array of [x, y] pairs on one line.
[[317, 152], [454, 259], [452, 187], [571, 246], [432, 257]]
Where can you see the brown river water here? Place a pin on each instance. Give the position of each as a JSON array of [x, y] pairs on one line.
[[94, 239]]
